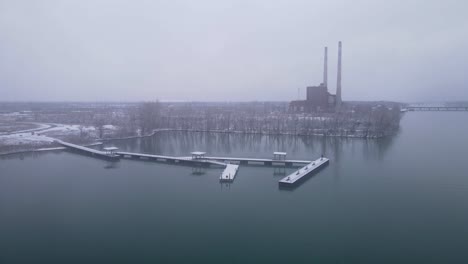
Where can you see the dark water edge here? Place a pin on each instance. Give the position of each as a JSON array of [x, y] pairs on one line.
[[392, 200]]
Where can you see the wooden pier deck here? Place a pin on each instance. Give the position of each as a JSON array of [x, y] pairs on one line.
[[299, 175]]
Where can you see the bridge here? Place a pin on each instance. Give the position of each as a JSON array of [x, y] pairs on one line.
[[434, 107]]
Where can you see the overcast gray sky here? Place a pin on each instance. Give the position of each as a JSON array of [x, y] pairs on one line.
[[115, 50]]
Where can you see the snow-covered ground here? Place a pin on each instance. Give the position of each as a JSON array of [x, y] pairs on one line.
[[24, 138], [45, 134], [40, 126], [60, 129]]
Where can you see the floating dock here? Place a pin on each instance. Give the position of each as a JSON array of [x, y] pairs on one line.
[[199, 158], [300, 175], [229, 173]]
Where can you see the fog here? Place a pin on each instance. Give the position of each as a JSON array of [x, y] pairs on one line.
[[107, 50]]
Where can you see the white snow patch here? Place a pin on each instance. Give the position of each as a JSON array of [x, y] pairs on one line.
[[40, 126], [67, 129], [24, 138]]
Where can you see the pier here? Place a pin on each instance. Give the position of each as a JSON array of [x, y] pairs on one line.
[[300, 175], [229, 173], [108, 155], [170, 159], [256, 161], [198, 158]]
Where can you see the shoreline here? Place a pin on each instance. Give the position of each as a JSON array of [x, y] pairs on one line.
[[243, 132], [156, 131]]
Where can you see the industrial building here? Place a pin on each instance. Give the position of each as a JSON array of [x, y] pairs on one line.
[[318, 98]]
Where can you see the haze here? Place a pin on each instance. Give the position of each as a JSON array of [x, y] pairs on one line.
[[261, 50]]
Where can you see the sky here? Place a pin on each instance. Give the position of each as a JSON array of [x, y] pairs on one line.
[[233, 50]]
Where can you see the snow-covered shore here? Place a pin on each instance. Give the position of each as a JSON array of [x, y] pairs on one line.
[[42, 137]]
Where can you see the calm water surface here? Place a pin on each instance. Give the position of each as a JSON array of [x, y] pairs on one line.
[[398, 200]]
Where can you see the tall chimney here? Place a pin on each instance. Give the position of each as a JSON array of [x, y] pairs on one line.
[[338, 81], [325, 67]]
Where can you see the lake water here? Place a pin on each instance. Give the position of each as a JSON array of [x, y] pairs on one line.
[[397, 200]]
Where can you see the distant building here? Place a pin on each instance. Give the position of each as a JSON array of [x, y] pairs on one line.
[[318, 98]]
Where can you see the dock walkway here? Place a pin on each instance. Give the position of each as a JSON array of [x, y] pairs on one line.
[[256, 160], [298, 175], [169, 158], [91, 151], [151, 156], [229, 173], [198, 158]]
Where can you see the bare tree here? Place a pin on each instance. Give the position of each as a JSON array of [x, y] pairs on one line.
[[99, 123], [149, 116]]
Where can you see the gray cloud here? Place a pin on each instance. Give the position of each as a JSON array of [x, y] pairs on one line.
[[231, 50]]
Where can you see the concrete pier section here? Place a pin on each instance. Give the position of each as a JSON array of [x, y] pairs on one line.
[[92, 152], [298, 176], [229, 173], [259, 161]]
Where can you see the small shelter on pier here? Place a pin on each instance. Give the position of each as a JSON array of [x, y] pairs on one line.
[[198, 155], [279, 155], [110, 150]]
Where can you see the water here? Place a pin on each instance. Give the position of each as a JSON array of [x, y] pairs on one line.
[[398, 200]]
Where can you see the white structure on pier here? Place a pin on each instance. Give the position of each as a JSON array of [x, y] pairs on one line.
[[198, 155], [110, 150], [229, 172], [279, 155]]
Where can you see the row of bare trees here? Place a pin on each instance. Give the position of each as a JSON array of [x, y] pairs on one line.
[[371, 121]]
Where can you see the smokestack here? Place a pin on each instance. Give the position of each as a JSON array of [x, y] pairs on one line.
[[325, 67], [338, 81]]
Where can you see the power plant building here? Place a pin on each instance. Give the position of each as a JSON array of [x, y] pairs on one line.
[[318, 99]]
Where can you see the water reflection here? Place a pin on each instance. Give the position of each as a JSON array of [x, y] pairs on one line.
[[27, 155], [255, 145], [225, 186], [198, 170], [111, 165], [279, 171], [246, 145]]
